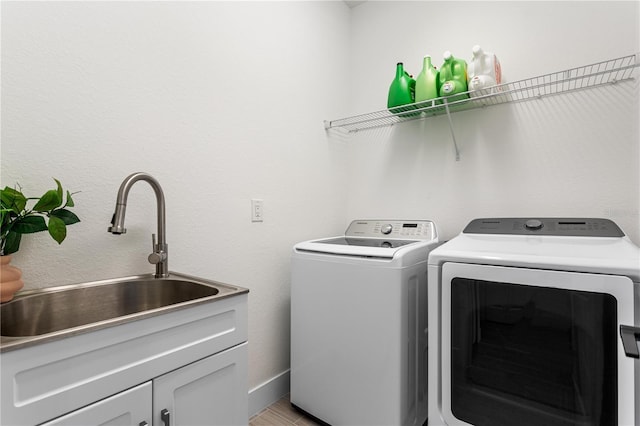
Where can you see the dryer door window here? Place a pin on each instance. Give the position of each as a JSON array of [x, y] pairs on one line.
[[532, 354], [532, 347]]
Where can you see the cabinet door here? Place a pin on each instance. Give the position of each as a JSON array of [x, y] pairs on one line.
[[212, 391], [128, 408]]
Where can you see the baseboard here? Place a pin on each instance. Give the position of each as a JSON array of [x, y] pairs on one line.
[[268, 392]]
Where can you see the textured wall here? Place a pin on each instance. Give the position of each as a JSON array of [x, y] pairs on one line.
[[569, 155], [220, 101]]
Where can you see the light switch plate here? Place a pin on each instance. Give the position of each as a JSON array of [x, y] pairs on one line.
[[257, 210]]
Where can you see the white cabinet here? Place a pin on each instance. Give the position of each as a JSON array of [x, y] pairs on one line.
[[128, 408], [195, 360], [212, 391]]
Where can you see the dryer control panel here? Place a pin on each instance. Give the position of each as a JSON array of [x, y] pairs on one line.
[[566, 227], [405, 229]]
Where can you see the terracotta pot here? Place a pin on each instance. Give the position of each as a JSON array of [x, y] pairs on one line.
[[10, 281]]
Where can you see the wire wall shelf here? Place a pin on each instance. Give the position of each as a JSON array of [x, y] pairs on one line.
[[597, 74]]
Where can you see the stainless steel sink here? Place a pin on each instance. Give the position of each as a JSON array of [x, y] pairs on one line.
[[74, 308]]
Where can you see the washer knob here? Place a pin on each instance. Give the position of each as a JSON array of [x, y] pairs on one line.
[[386, 229], [533, 224]]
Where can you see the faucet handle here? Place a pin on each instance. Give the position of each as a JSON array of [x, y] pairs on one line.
[[158, 255]]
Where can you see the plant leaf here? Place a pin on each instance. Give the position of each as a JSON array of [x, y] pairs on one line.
[[12, 243], [70, 202], [49, 201], [13, 199], [69, 218], [59, 189], [57, 229], [5, 217], [29, 225]]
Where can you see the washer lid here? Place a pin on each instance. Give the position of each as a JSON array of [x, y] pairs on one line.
[[363, 247], [365, 242], [376, 238]]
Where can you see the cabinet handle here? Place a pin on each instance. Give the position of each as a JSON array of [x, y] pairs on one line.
[[143, 423], [165, 416]]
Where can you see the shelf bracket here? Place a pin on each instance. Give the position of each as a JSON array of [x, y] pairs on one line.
[[453, 135]]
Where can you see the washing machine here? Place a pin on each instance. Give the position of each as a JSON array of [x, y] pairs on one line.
[[534, 321], [358, 324]]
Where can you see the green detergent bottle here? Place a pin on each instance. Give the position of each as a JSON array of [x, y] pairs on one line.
[[401, 91], [427, 81], [453, 78]]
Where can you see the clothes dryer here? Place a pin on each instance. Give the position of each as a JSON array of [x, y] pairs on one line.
[[358, 324], [533, 322]]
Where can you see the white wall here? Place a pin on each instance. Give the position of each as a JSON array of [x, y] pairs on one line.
[[569, 155], [220, 101]]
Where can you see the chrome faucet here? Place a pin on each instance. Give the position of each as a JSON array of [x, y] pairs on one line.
[[160, 255]]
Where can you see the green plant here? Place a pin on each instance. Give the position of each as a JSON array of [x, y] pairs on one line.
[[50, 212]]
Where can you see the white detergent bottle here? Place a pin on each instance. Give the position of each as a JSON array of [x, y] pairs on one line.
[[484, 71]]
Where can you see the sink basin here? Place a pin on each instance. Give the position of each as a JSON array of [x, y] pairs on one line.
[[58, 309]]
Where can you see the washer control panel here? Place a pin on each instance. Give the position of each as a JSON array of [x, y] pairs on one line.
[[568, 227], [406, 229]]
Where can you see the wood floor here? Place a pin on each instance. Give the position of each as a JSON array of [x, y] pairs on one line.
[[281, 413]]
